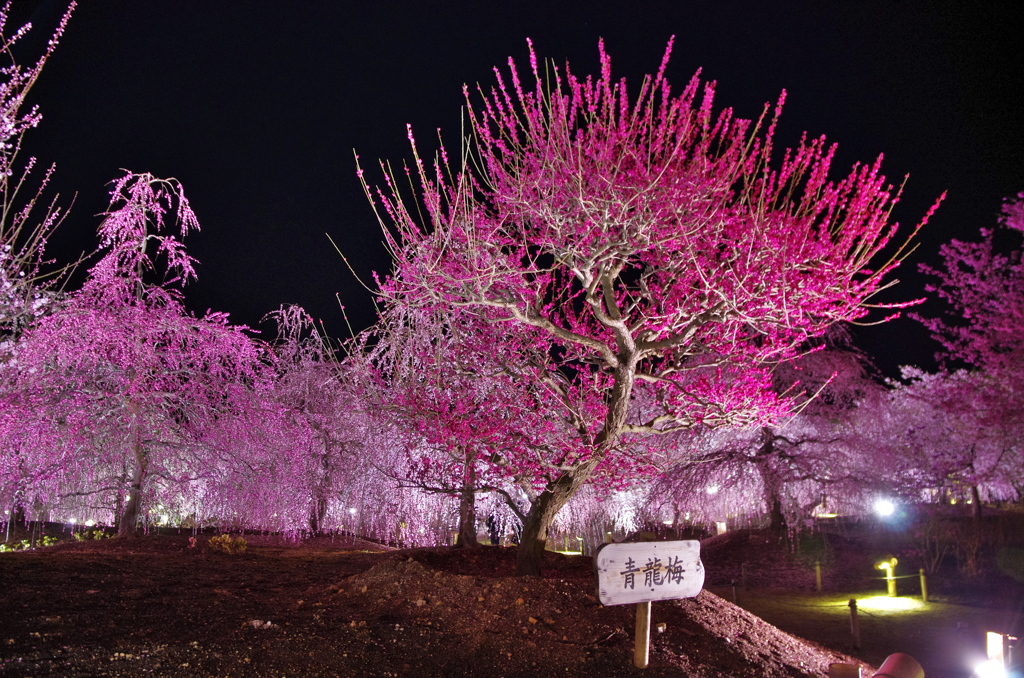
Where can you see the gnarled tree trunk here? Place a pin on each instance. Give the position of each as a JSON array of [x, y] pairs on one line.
[[467, 507], [129, 523], [542, 514]]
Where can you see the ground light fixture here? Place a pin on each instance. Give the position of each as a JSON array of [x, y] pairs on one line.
[[997, 647], [889, 566]]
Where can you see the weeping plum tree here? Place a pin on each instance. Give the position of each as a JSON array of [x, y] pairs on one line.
[[465, 421], [131, 382], [954, 437], [784, 470], [323, 417], [645, 238], [983, 284]]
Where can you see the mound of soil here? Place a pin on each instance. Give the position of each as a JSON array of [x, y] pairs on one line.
[[158, 606]]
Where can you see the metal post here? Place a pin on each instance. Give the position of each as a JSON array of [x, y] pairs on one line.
[[890, 581], [743, 573], [642, 641], [817, 575], [854, 624], [924, 585]]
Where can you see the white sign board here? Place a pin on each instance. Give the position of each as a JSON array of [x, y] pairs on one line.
[[650, 570]]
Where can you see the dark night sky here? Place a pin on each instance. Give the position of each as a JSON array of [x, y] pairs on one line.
[[256, 107]]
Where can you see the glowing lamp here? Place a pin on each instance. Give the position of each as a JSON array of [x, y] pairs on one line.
[[889, 566], [884, 507], [990, 669]]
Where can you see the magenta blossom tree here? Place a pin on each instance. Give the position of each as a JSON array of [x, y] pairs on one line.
[[328, 425], [26, 221], [467, 425], [131, 383], [983, 284], [782, 471], [644, 239]]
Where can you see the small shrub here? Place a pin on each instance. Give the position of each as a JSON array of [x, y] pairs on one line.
[[228, 545]]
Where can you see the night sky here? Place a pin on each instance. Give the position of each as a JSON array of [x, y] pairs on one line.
[[256, 108]]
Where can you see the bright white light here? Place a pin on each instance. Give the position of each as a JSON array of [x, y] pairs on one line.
[[667, 522], [352, 511], [712, 489], [72, 521], [993, 668], [90, 523], [884, 507]]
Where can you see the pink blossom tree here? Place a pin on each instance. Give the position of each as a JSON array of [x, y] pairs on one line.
[[466, 425], [26, 221], [644, 240], [328, 425], [954, 437], [131, 383], [812, 459], [983, 284]]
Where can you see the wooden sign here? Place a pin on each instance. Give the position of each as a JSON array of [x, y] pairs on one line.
[[646, 571]]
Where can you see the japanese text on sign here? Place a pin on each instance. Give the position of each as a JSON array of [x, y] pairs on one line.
[[639, 572]]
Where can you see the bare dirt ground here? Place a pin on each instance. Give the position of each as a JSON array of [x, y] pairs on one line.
[[344, 607], [155, 606]]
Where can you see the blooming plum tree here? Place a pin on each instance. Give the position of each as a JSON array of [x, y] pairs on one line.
[[784, 470], [468, 425], [130, 382], [25, 222], [328, 425], [642, 240], [954, 437], [983, 283]]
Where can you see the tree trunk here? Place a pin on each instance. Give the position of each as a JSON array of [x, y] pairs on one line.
[[548, 503], [975, 505], [129, 523], [467, 508], [542, 513], [778, 524], [317, 511]]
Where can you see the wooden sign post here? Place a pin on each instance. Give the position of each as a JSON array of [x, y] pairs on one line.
[[647, 571]]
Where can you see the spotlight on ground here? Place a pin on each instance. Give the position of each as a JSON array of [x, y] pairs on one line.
[[887, 604]]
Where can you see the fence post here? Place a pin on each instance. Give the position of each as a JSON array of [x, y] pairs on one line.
[[743, 573], [854, 624], [924, 586], [817, 575]]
